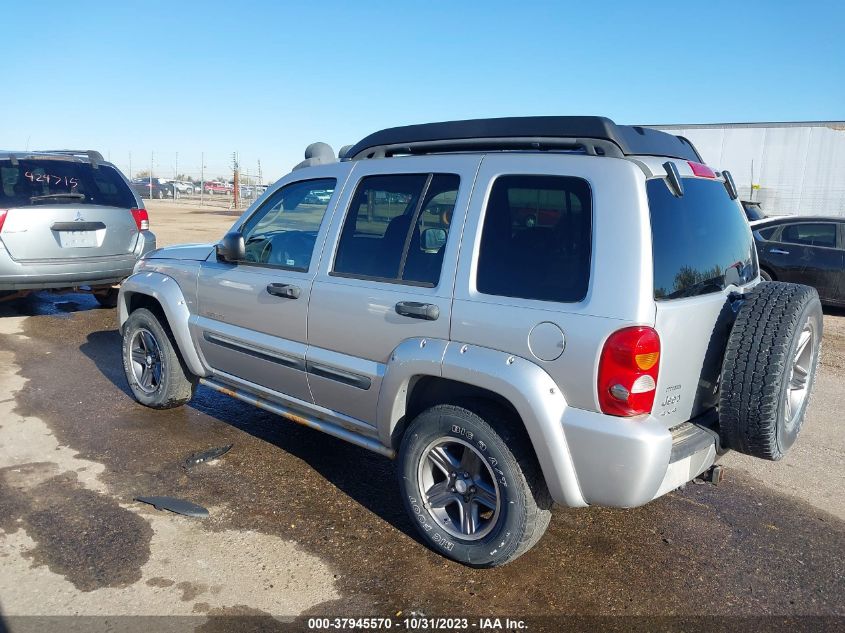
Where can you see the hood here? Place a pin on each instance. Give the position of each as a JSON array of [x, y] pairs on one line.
[[191, 252]]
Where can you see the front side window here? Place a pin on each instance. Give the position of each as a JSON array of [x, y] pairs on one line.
[[397, 228], [536, 239], [810, 234], [701, 241], [283, 231]]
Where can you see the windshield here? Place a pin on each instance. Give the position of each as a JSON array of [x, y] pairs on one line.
[[46, 181], [701, 242]]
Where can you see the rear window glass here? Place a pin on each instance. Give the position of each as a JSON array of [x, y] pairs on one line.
[[753, 212], [535, 243], [33, 182], [701, 241]]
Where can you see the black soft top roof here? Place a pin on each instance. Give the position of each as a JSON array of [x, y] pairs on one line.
[[592, 134]]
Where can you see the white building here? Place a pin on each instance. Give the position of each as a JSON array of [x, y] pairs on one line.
[[789, 168]]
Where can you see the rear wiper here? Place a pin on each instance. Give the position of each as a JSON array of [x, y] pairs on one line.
[[57, 196], [702, 287]]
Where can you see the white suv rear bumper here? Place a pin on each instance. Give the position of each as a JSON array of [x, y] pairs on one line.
[[624, 462]]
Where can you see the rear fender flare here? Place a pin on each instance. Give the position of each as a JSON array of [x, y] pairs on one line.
[[529, 389]]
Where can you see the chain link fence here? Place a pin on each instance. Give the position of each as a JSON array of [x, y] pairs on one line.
[[194, 179]]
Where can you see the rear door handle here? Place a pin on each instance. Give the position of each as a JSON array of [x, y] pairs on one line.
[[416, 310], [778, 251], [286, 291]]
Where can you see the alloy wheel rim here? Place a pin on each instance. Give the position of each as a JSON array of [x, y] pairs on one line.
[[459, 488], [799, 376], [146, 360]]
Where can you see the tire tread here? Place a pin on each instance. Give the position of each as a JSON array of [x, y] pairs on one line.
[[755, 366]]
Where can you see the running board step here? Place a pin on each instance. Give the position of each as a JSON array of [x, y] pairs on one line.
[[305, 420]]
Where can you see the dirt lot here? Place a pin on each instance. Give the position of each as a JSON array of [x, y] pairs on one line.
[[303, 524], [182, 222]]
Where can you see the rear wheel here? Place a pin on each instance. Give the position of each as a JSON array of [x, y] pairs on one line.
[[764, 275], [769, 369], [472, 485], [154, 369]]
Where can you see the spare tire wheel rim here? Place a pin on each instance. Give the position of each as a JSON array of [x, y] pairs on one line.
[[798, 387], [145, 359], [459, 488]]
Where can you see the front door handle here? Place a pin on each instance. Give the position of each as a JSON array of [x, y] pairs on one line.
[[778, 251], [286, 291], [416, 310]]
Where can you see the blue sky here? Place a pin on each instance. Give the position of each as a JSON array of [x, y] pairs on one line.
[[267, 78]]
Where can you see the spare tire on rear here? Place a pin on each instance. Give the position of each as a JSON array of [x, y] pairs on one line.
[[769, 368]]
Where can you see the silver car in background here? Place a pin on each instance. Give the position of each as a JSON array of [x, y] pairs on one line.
[[68, 219]]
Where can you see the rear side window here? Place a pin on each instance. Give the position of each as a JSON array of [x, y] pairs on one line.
[[701, 242], [810, 234], [767, 234], [39, 181], [536, 239], [397, 228]]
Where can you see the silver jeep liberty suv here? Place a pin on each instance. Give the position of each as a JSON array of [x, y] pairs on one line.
[[521, 311]]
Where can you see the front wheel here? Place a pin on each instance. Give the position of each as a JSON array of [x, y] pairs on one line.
[[156, 373], [472, 485]]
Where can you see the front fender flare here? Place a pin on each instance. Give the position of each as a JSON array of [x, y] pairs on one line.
[[167, 292]]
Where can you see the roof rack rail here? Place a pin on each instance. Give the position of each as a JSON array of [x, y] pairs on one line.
[[92, 155], [593, 135]]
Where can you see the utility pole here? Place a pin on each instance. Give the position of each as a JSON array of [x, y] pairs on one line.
[[202, 177], [130, 166], [237, 178], [751, 190], [152, 161], [260, 176]]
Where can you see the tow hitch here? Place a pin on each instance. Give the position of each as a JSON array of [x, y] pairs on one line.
[[712, 475]]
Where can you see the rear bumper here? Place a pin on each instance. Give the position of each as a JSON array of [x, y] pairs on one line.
[[69, 273], [628, 462]]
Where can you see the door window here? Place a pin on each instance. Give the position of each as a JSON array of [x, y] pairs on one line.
[[283, 231], [810, 234], [397, 227], [535, 243]]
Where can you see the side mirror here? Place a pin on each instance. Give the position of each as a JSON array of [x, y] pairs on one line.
[[231, 248], [432, 239]]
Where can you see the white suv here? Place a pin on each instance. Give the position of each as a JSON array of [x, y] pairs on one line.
[[606, 351]]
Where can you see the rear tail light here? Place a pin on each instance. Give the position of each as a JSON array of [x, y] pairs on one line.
[[628, 369], [142, 219], [701, 170], [2, 218]]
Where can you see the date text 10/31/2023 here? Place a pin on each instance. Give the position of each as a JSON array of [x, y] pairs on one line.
[[418, 623]]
